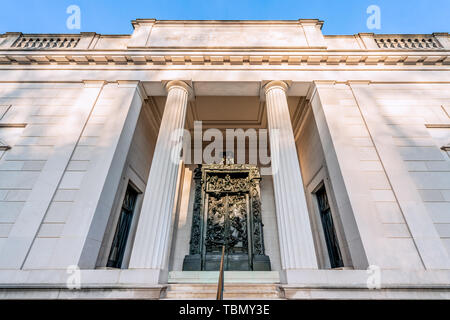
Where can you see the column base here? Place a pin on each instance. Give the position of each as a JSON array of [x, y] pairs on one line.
[[299, 276]]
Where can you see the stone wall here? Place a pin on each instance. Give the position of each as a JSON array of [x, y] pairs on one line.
[[54, 178], [393, 169], [44, 109]]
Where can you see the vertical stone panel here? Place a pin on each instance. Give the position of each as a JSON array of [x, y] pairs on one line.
[[28, 222], [80, 239], [426, 239]]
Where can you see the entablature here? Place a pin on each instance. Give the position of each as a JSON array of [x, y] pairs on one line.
[[149, 58]]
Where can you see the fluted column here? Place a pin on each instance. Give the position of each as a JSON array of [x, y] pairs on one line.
[[296, 241], [151, 243]]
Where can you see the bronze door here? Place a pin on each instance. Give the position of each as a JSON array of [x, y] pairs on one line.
[[227, 223], [226, 211]]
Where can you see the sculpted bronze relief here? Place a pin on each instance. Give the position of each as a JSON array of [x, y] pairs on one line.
[[227, 211]]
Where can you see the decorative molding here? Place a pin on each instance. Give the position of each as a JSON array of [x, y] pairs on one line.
[[13, 125], [323, 59], [438, 125], [47, 42], [406, 41]]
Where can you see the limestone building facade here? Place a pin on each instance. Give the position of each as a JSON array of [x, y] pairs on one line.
[[99, 199]]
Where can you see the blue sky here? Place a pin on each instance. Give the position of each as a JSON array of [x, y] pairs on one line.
[[114, 16]]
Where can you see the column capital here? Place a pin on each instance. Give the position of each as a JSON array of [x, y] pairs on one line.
[[185, 85], [283, 85]]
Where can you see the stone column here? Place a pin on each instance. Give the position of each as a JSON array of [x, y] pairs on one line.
[[152, 241], [296, 241]]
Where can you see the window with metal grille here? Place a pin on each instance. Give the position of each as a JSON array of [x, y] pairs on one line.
[[123, 229], [329, 230]]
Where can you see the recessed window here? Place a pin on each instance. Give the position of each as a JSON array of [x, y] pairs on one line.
[[122, 229], [332, 243]]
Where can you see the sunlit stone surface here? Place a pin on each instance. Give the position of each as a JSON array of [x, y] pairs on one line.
[[364, 119]]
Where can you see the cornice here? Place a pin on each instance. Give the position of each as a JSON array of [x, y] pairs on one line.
[[137, 22], [224, 58], [226, 22], [313, 22]]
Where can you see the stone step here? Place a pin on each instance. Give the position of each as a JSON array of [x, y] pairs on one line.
[[211, 277], [228, 286], [231, 291]]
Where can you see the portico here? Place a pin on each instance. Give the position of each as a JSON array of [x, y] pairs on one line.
[[151, 250]]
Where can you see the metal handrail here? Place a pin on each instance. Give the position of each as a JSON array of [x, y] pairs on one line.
[[219, 295]]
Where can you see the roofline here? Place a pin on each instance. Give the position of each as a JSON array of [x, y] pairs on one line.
[[247, 22]]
